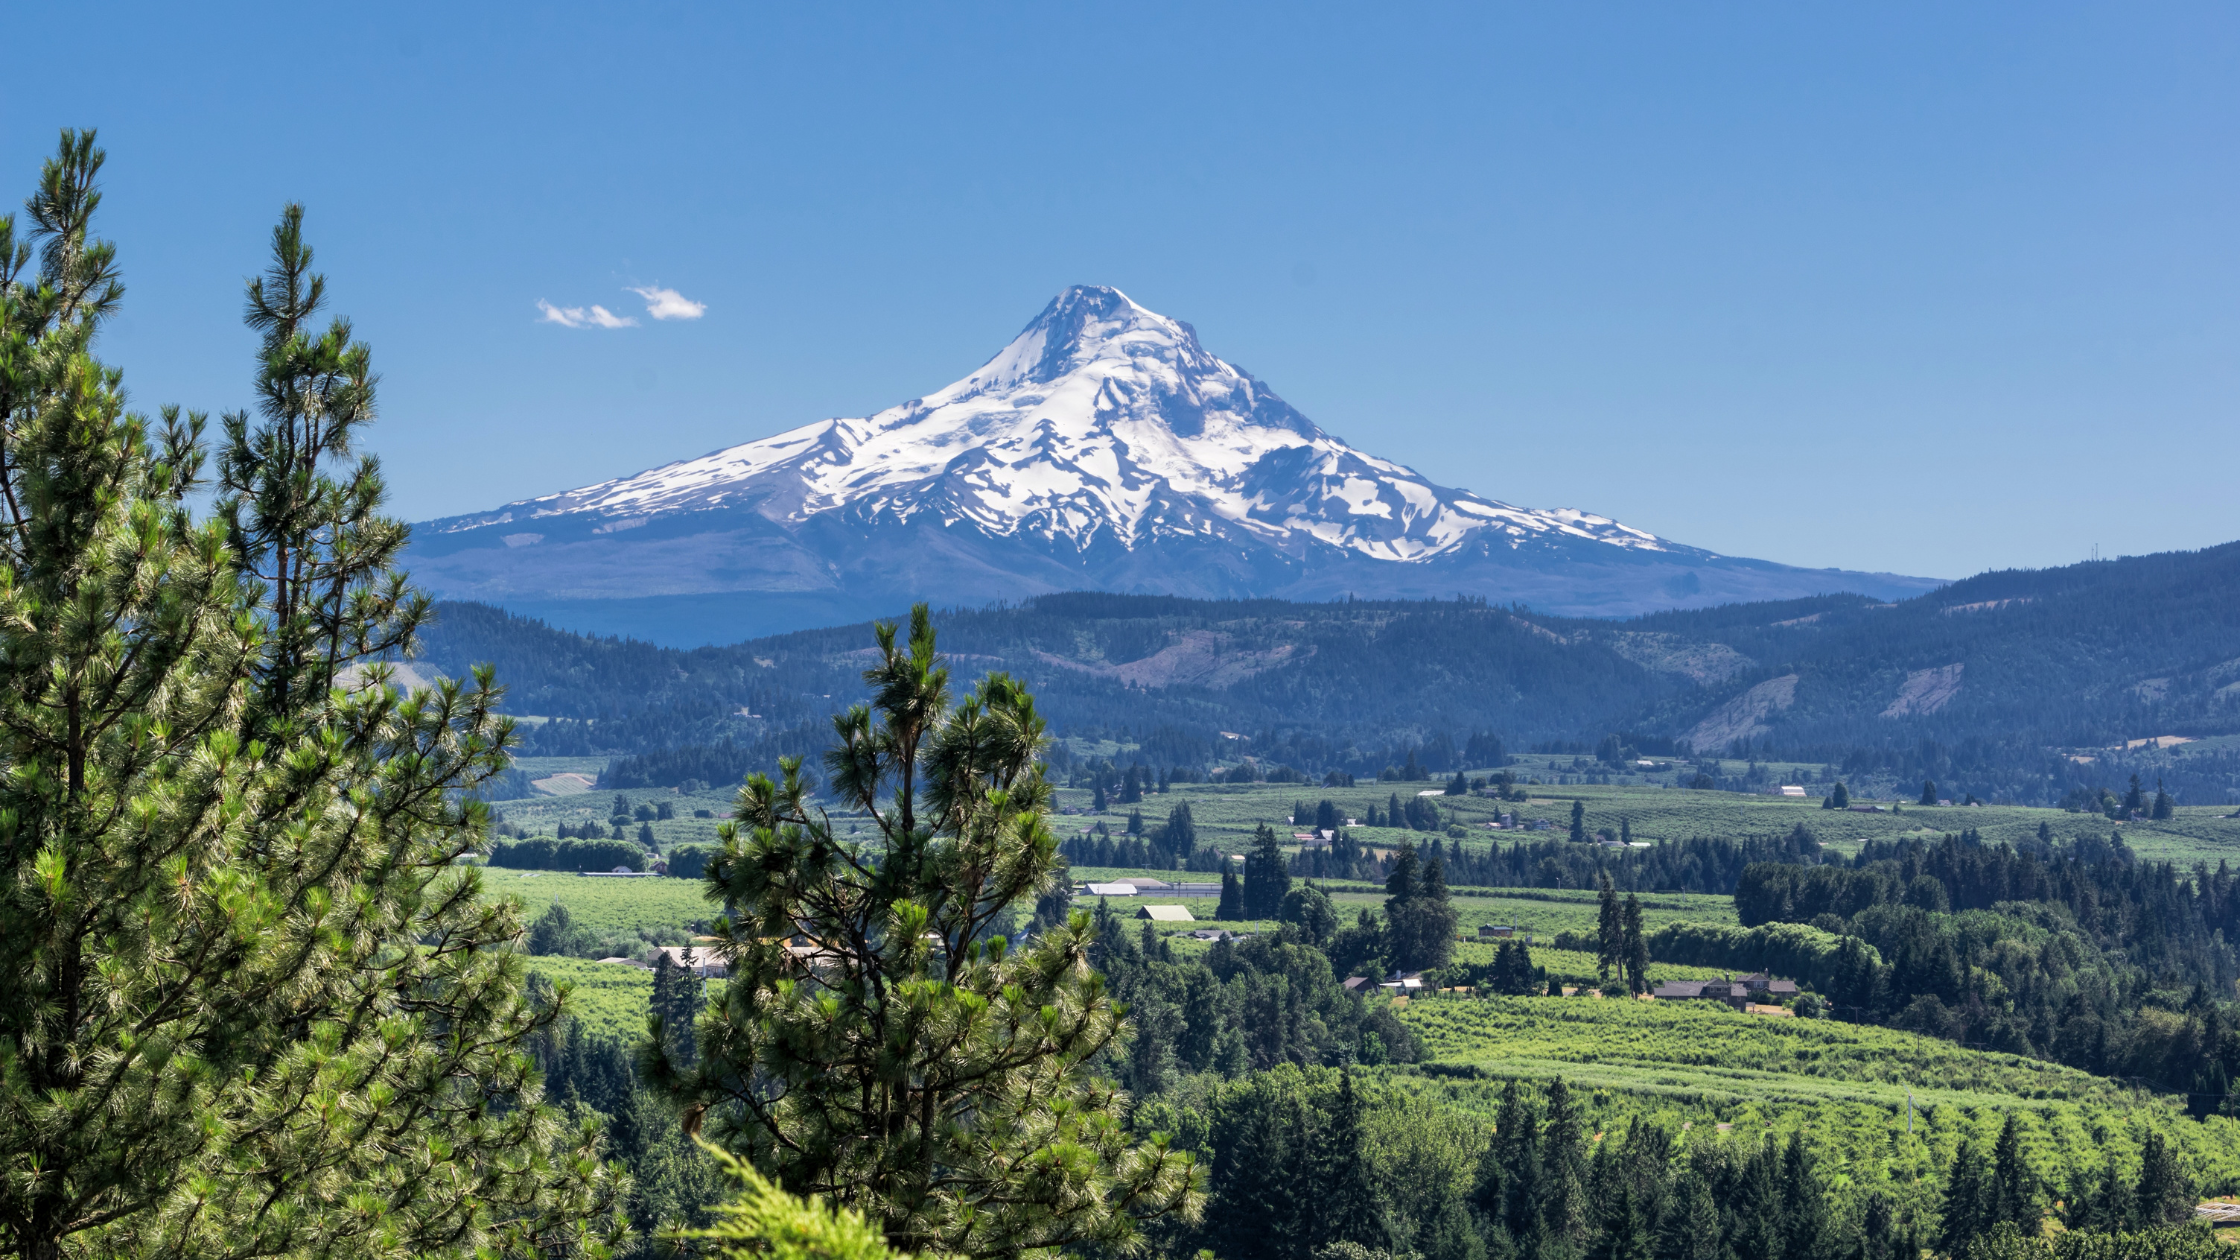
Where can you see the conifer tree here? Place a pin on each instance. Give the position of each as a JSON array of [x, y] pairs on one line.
[[1965, 1208], [916, 1068], [1181, 835], [1563, 1165], [2165, 1194], [1231, 908], [1344, 1206], [1578, 822], [2012, 1196], [1840, 798], [251, 1001], [1610, 944], [1928, 792], [2164, 807], [1636, 959], [1266, 875]]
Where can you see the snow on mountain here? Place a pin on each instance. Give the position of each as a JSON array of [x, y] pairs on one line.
[[1101, 420], [1103, 449]]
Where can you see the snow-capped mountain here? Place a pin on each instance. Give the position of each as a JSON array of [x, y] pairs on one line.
[[1104, 448]]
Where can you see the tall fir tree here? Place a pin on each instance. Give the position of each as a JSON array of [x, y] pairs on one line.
[[1578, 822], [252, 1001], [1231, 907]]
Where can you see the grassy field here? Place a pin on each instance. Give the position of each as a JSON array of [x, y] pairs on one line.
[[1713, 1074]]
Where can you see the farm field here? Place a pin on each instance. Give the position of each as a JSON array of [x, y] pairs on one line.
[[609, 999], [1713, 1074], [1226, 814], [604, 905]]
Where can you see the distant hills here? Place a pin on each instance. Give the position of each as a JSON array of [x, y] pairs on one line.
[[1985, 684], [1103, 449]]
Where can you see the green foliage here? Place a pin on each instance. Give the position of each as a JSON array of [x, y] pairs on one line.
[[907, 1062], [251, 1001], [762, 1222], [1805, 954]]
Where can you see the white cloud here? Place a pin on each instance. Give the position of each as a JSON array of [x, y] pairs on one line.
[[582, 316], [669, 304]]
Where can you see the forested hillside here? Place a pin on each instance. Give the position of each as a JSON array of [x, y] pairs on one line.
[[1995, 685]]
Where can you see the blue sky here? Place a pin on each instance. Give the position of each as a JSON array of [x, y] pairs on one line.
[[1926, 288]]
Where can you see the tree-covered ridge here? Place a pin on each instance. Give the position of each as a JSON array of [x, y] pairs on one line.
[[1977, 686]]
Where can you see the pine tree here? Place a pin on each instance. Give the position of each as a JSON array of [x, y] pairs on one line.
[[223, 1036], [917, 1068], [1578, 822], [1231, 908], [1135, 822], [1840, 798], [2135, 800], [2164, 807], [1326, 816], [1928, 792], [1101, 804]]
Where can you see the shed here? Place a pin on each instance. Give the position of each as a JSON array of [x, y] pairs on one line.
[[1112, 890], [1166, 914]]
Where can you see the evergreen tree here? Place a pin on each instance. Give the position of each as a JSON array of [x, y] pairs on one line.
[[1966, 1210], [1578, 822], [2164, 807], [1326, 816], [1840, 798], [2135, 800], [1344, 1203], [1928, 792], [1563, 1166], [1610, 943], [2012, 1196], [1135, 822], [222, 1035], [1636, 953], [1231, 908], [1267, 877], [918, 1069], [1181, 836], [1511, 1186], [1689, 1229], [1805, 1230], [1459, 785], [1392, 815], [2165, 1194], [1101, 804]]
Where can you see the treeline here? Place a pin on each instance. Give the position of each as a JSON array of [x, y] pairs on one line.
[[541, 853], [1698, 865], [2077, 954]]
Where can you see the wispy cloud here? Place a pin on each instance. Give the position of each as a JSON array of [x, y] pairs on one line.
[[582, 316], [669, 304]]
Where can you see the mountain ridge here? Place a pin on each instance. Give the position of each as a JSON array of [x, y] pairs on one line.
[[1103, 448]]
